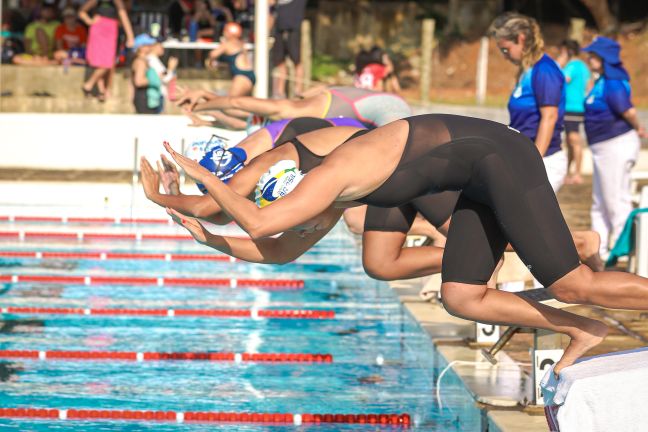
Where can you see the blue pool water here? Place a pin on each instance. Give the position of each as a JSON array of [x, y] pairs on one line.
[[369, 324]]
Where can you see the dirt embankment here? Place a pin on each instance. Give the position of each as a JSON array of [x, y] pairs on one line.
[[455, 67]]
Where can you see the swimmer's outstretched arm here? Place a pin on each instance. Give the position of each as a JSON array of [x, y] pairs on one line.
[[315, 194], [202, 206], [280, 250], [190, 97], [263, 107]]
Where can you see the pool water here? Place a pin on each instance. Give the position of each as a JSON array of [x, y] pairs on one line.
[[382, 360]]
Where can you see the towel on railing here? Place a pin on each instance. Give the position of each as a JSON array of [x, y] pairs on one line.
[[624, 243], [599, 394]]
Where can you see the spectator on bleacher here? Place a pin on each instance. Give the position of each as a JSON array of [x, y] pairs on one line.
[[222, 14], [243, 13], [203, 23], [180, 12], [39, 35], [11, 40], [577, 77], [286, 31], [102, 40], [537, 104], [148, 97], [375, 71], [613, 131], [232, 51], [70, 38], [166, 73]]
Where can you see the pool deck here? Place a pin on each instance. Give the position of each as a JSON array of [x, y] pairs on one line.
[[503, 392]]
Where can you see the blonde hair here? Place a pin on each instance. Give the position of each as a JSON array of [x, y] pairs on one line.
[[510, 25]]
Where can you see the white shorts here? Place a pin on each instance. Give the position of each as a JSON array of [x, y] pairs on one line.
[[556, 166]]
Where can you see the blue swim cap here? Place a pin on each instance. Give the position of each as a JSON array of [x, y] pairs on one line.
[[223, 163]]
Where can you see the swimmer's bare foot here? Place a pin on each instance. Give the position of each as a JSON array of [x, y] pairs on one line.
[[588, 243], [581, 342]]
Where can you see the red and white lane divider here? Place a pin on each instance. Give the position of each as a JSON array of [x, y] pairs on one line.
[[207, 313], [158, 356], [269, 284], [103, 256], [83, 235], [403, 420], [93, 220]]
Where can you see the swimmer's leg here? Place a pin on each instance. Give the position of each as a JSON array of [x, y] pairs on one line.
[[354, 217], [475, 244]]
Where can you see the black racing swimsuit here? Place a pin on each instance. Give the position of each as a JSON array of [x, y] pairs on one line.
[[299, 126], [436, 208], [505, 196]]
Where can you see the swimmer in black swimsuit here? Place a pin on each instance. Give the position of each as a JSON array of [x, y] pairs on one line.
[[291, 244], [505, 197]]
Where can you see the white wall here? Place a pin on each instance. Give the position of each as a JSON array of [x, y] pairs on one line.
[[91, 141]]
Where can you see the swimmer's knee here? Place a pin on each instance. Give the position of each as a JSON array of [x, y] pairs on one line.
[[574, 287], [459, 298], [376, 270]]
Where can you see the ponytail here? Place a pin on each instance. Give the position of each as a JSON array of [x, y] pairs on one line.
[[512, 24]]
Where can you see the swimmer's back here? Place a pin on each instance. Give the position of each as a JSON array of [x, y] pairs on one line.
[[371, 108]]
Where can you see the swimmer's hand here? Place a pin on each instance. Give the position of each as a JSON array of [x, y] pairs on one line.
[[189, 98], [197, 121], [169, 176], [195, 228], [150, 179], [211, 103], [191, 167]]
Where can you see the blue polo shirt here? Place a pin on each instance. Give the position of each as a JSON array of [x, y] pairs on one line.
[[604, 106], [541, 85]]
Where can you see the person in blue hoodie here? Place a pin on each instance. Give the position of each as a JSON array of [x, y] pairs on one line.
[[537, 104], [613, 131]]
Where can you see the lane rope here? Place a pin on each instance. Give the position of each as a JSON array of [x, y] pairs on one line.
[[402, 420], [269, 284], [84, 235], [207, 313], [168, 356], [103, 256], [91, 220]]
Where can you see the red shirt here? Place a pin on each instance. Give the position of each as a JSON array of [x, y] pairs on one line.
[[71, 38]]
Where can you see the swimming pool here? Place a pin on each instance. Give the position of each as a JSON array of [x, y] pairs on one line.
[[367, 355]]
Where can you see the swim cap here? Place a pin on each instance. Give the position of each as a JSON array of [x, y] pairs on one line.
[[278, 182], [233, 29], [223, 163], [196, 151]]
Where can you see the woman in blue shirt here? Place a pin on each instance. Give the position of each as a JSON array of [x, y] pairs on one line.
[[537, 105], [577, 79], [613, 132]]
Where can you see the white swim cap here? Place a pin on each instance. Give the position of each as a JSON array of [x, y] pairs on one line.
[[196, 151], [279, 181]]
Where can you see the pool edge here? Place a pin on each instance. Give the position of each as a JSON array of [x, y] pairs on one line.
[[446, 332]]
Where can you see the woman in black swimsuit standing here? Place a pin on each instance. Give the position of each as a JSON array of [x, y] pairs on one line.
[[505, 197]]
